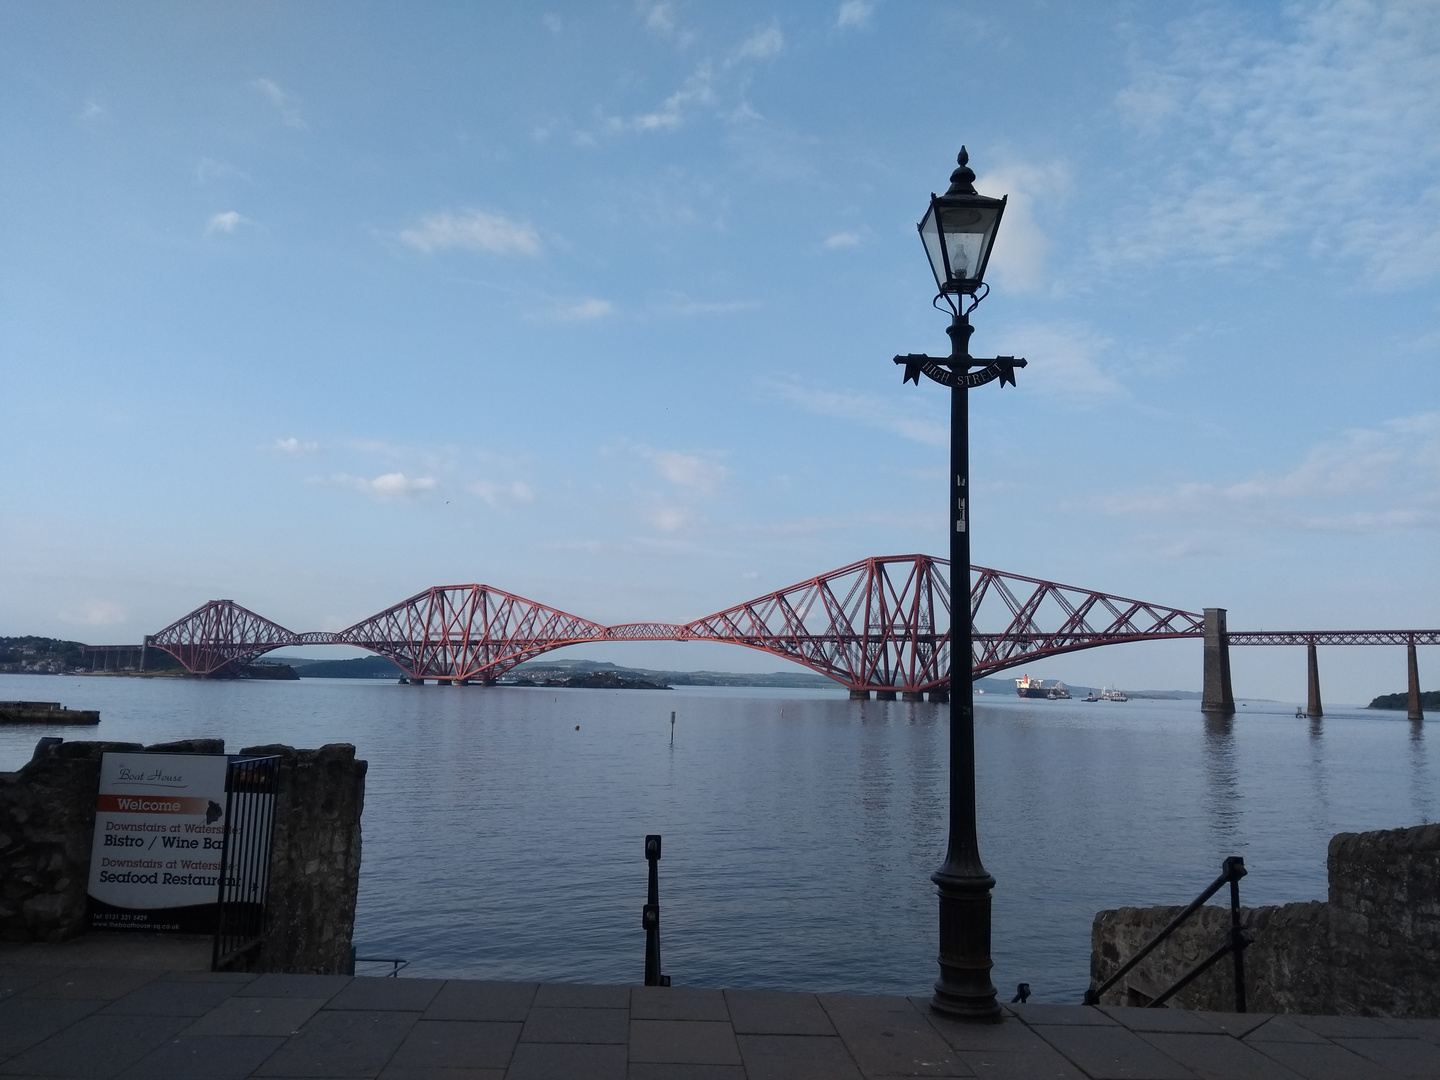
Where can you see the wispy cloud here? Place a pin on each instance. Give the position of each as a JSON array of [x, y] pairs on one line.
[[695, 473], [1328, 133], [283, 103], [871, 410], [1368, 480], [208, 170], [1064, 361], [226, 222], [854, 13], [95, 613], [295, 446], [472, 230], [93, 110], [388, 487], [762, 45], [698, 89], [495, 494], [676, 303], [584, 310], [842, 240], [1018, 264]]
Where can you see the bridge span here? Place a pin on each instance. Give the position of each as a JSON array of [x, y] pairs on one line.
[[880, 625]]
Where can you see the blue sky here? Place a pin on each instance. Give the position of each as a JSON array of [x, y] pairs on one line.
[[313, 306]]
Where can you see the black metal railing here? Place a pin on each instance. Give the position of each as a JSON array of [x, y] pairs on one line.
[[1236, 941], [249, 823]]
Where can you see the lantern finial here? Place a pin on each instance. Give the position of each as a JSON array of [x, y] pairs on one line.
[[962, 180]]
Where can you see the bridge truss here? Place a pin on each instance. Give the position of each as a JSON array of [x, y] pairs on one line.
[[880, 624]]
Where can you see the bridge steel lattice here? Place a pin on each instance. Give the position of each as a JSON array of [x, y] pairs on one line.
[[880, 624]]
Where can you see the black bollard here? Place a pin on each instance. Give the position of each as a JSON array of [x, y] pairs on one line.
[[650, 916]]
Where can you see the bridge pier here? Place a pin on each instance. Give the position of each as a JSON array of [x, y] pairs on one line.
[[939, 695], [859, 695], [1218, 696], [912, 695], [1312, 683], [1412, 684], [884, 695]]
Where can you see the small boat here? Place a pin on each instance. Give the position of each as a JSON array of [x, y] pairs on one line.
[[1092, 696], [1111, 694]]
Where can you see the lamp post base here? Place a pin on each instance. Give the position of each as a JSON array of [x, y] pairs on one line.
[[964, 989]]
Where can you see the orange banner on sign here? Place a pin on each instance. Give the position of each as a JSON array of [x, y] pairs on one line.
[[152, 804]]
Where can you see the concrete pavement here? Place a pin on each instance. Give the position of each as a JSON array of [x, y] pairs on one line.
[[158, 1024]]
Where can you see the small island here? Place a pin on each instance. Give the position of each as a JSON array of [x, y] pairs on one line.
[[1430, 699]]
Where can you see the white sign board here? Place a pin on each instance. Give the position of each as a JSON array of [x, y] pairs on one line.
[[159, 829]]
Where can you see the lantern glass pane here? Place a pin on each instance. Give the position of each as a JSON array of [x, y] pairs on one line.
[[931, 237], [968, 232]]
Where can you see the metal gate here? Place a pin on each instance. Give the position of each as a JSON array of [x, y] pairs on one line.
[[250, 787]]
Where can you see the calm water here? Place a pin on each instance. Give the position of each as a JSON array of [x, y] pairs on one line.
[[800, 828]]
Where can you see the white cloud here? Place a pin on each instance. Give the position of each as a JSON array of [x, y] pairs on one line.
[[698, 89], [473, 230], [208, 170], [93, 110], [762, 45], [842, 240], [552, 22], [669, 518], [284, 104], [1327, 134], [660, 18], [226, 222], [870, 410], [1018, 262], [677, 303], [854, 13], [389, 487], [295, 446], [692, 472], [1381, 479]]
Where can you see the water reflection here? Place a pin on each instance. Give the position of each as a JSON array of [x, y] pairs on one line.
[[1224, 800], [1422, 786]]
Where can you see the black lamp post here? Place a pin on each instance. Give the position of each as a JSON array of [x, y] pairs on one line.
[[958, 231]]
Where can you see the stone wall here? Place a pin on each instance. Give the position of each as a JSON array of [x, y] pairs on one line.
[[315, 868], [47, 821], [1372, 950]]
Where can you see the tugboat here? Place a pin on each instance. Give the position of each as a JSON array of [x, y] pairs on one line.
[[1113, 695], [1092, 696]]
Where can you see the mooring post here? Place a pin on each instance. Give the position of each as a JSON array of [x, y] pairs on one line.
[[1218, 697], [650, 916], [1312, 666], [1412, 671]]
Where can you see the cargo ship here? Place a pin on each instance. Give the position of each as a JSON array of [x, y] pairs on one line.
[[1039, 688]]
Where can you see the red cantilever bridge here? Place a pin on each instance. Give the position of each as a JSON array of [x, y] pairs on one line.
[[880, 624]]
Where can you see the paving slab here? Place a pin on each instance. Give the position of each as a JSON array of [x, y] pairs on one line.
[[402, 995], [1283, 1028], [1112, 1053], [457, 1044], [166, 997], [1237, 1024], [296, 986], [891, 1038], [673, 1071], [108, 983], [96, 1046], [1408, 1057], [1044, 1064], [1160, 1019], [796, 1057], [1354, 1027], [27, 1021], [204, 1057], [406, 1072], [342, 1043], [683, 1042], [1062, 1015], [1429, 1030], [1009, 1036], [1217, 1056], [17, 977], [677, 1003], [580, 996], [545, 1025], [772, 1012], [1323, 1061], [464, 1000], [257, 1016], [560, 1061]]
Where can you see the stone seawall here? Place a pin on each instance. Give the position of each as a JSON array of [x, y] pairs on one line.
[[47, 821], [1372, 950]]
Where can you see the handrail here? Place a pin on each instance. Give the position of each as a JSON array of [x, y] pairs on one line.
[[1232, 870]]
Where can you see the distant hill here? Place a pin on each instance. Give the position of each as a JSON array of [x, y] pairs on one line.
[[39, 655], [1429, 699], [362, 667]]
